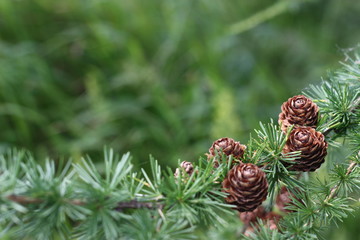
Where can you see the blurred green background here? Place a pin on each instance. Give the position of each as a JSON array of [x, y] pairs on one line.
[[162, 77]]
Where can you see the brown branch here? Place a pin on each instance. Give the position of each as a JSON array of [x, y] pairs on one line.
[[24, 200], [136, 204], [76, 202]]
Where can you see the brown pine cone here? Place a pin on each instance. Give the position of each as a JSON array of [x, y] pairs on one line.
[[246, 185], [253, 216], [312, 145], [228, 146], [187, 166], [299, 111]]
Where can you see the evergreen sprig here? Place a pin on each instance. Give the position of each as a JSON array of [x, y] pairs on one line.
[[67, 200], [269, 146], [80, 202]]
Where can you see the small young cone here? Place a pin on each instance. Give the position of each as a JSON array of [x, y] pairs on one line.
[[228, 146], [187, 166], [246, 185], [312, 145], [299, 111]]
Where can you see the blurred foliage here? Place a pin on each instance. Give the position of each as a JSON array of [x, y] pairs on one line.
[[160, 77]]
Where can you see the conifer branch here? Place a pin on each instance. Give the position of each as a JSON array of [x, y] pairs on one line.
[[44, 201], [24, 200], [133, 204], [356, 105], [333, 191]]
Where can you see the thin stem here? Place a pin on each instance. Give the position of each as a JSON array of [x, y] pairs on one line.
[[336, 187], [327, 131], [260, 17], [356, 105], [141, 181]]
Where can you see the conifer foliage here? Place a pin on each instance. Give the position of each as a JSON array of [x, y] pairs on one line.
[[267, 180]]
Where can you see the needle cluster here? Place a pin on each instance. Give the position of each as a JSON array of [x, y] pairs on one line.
[[65, 200]]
